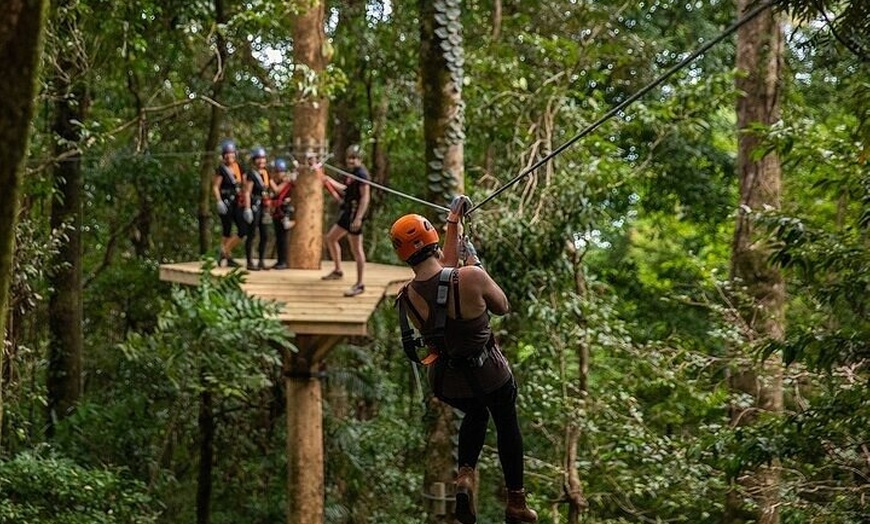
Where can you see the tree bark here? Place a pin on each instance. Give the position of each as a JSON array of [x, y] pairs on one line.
[[759, 64], [20, 47], [206, 170], [440, 465], [206, 425], [309, 132], [441, 65], [65, 280], [305, 481]]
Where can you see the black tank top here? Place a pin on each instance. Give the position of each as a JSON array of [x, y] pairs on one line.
[[463, 338]]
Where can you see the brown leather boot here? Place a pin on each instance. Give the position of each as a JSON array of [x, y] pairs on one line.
[[517, 511], [465, 496]]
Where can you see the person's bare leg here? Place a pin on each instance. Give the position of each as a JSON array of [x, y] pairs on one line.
[[232, 242], [333, 236], [356, 247]]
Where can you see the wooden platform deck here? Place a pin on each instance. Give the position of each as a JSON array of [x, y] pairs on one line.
[[311, 306]]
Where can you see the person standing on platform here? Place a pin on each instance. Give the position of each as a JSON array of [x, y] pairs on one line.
[[257, 188], [282, 208], [228, 189], [355, 202]]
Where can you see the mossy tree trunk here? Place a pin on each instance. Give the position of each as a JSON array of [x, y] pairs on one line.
[[71, 101], [21, 29]]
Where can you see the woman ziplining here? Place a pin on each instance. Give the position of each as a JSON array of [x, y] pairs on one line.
[[466, 368]]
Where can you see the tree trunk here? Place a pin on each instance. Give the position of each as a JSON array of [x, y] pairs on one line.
[[206, 457], [440, 465], [759, 61], [305, 482], [20, 48], [206, 170], [441, 64], [309, 132], [65, 280], [441, 61]]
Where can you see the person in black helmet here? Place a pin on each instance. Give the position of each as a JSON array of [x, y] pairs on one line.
[[258, 190], [228, 189], [355, 202]]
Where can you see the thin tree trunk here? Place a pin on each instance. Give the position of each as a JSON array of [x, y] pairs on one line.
[[440, 465], [206, 458], [65, 281], [206, 169], [309, 132], [441, 64], [759, 59], [20, 47], [496, 20], [572, 485]]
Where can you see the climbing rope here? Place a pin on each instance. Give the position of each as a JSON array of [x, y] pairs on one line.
[[385, 188], [628, 101]]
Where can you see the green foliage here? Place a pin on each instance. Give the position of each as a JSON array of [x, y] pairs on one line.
[[42, 488], [216, 337]]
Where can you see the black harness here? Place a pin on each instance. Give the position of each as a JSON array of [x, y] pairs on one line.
[[435, 339], [230, 188]]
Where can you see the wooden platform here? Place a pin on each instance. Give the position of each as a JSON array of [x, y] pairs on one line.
[[311, 306]]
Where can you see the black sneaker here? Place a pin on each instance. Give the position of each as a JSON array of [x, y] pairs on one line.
[[280, 265], [262, 266], [232, 263], [252, 267]]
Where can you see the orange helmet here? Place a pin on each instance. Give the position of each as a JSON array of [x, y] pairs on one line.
[[410, 234]]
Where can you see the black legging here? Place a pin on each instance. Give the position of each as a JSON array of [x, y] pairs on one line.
[[261, 229], [280, 240], [502, 405]]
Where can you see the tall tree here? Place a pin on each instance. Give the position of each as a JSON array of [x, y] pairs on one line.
[[206, 171], [71, 100], [310, 57], [441, 66], [759, 64], [20, 47], [304, 391]]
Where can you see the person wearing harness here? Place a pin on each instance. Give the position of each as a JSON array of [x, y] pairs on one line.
[[353, 209], [258, 189], [450, 307], [229, 193], [282, 209]]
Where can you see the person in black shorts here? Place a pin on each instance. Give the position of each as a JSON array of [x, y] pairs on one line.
[[228, 189], [355, 203]]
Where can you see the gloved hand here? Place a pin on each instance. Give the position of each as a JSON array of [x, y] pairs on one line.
[[460, 205], [222, 208], [248, 215]]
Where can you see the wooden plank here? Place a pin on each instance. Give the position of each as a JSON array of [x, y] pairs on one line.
[[310, 306]]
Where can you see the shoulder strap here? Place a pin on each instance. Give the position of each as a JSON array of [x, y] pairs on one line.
[[441, 300], [227, 174], [410, 343]]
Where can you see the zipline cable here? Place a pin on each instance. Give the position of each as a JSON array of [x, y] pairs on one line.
[[385, 188], [628, 101]]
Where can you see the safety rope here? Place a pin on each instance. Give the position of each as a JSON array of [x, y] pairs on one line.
[[385, 188], [628, 101]]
